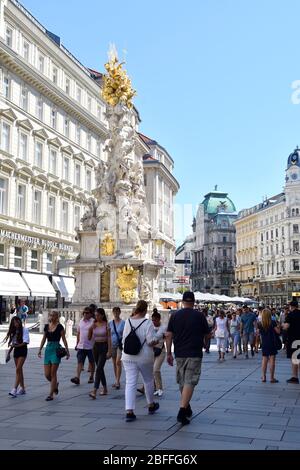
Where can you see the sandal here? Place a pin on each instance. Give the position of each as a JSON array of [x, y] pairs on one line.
[[116, 387], [102, 393], [49, 398], [263, 379], [92, 395], [274, 381], [91, 380]]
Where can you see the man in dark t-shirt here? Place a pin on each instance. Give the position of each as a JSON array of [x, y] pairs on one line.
[[187, 329], [292, 326]]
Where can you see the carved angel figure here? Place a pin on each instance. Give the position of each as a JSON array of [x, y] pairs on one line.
[[89, 220]]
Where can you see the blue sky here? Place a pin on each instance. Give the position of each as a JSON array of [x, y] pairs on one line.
[[214, 81]]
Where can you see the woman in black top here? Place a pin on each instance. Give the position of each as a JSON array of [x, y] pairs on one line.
[[18, 339], [268, 329], [53, 332]]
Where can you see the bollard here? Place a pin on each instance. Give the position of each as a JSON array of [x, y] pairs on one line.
[[69, 329]]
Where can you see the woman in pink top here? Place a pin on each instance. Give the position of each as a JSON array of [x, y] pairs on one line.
[[101, 334]]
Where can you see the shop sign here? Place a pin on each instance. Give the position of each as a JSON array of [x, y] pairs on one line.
[[35, 241]]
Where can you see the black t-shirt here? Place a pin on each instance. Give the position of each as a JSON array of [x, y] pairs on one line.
[[293, 319], [189, 327], [54, 335]]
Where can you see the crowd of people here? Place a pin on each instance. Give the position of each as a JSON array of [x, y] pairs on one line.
[[140, 345]]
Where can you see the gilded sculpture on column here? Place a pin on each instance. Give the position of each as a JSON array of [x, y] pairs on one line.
[[108, 245], [116, 84], [127, 281]]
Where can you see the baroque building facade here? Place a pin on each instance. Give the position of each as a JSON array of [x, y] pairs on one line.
[[270, 263], [53, 130], [214, 248], [161, 188]]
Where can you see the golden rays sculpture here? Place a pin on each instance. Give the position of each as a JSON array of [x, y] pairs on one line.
[[127, 281], [117, 86]]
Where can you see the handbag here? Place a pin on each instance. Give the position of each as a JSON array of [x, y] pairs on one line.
[[278, 342], [157, 351], [120, 345], [220, 334], [61, 352]]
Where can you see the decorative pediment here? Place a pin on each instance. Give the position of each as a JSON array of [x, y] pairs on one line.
[[90, 163], [79, 156], [69, 190], [41, 133], [55, 142], [26, 171], [8, 164], [42, 178], [8, 114], [56, 185], [67, 149], [81, 197], [25, 124]]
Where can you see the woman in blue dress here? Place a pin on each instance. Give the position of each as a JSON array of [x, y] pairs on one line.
[[268, 330]]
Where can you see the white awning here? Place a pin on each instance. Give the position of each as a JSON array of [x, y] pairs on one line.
[[39, 285], [65, 285], [13, 284]]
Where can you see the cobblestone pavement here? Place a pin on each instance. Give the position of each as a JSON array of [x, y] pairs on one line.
[[232, 410]]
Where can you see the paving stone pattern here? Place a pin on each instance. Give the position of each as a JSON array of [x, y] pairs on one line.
[[232, 410]]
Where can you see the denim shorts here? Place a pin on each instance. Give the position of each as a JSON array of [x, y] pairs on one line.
[[248, 338], [83, 353]]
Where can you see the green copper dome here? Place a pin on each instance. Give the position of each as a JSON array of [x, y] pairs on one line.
[[217, 202]]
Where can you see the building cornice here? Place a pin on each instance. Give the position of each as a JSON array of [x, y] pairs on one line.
[[39, 34], [33, 77], [164, 171]]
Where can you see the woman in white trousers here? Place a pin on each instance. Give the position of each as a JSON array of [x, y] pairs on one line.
[[141, 362], [221, 332]]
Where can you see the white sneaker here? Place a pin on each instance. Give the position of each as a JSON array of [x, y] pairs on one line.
[[159, 393], [156, 393], [13, 393], [21, 391]]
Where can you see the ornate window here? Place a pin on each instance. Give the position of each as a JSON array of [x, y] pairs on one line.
[[2, 255], [18, 257], [37, 206], [65, 216], [34, 260], [21, 200], [51, 211], [3, 195], [23, 146], [5, 137]]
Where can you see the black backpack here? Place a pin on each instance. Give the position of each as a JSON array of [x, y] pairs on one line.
[[132, 343]]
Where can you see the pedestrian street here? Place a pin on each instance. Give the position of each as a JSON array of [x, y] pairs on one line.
[[232, 410]]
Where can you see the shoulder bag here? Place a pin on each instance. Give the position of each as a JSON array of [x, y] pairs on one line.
[[120, 345]]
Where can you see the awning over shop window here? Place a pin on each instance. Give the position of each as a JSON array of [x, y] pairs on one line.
[[65, 285], [39, 285], [12, 284]]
